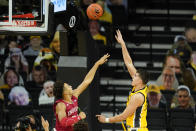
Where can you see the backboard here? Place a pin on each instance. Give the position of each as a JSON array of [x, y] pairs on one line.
[[26, 17]]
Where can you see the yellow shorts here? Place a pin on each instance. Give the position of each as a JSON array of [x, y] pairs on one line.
[[137, 129]]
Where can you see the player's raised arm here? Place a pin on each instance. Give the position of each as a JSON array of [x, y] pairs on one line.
[[127, 59], [90, 76], [135, 102]]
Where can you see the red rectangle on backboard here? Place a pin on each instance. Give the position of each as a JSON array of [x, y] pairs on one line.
[[23, 23]]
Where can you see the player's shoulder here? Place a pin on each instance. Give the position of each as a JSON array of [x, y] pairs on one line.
[[60, 105], [138, 96]]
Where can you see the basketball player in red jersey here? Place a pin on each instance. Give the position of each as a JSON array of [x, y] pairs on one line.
[[66, 107]]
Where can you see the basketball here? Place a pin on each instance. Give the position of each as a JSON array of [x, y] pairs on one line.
[[94, 11]]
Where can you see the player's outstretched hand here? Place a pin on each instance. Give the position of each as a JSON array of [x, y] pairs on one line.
[[118, 37], [101, 118], [103, 59]]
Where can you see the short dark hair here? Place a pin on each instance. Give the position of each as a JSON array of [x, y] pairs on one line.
[[58, 89], [143, 75], [81, 126], [39, 68]]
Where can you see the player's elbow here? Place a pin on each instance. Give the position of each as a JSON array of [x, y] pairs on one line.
[[124, 118], [126, 114]]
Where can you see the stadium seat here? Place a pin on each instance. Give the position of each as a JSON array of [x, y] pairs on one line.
[[47, 112], [15, 112], [157, 119], [168, 96], [181, 120]]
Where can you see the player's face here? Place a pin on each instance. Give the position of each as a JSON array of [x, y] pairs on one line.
[[68, 89], [136, 80], [183, 98]]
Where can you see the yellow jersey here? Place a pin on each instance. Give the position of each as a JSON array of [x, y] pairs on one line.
[[138, 119]]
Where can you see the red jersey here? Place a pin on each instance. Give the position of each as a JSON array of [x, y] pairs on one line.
[[71, 111]]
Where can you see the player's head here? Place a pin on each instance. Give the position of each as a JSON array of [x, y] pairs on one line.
[[141, 77], [61, 89], [58, 89], [67, 89]]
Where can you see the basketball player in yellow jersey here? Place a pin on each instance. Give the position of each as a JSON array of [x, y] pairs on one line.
[[136, 111]]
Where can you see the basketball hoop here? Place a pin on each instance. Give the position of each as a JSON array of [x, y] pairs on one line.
[[29, 23]]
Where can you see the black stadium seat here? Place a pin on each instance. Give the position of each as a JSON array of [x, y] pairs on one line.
[[157, 119], [47, 112], [181, 120], [168, 96], [15, 112]]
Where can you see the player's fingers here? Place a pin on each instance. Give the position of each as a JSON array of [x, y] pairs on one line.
[[107, 55], [118, 32], [105, 60], [116, 37], [42, 118]]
